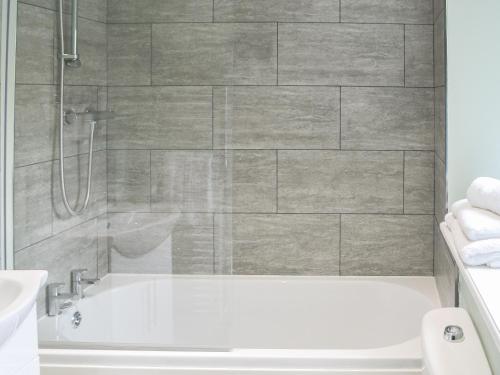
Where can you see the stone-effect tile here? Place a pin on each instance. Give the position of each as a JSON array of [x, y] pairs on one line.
[[100, 141], [92, 9], [386, 245], [35, 38], [102, 246], [445, 270], [36, 124], [129, 54], [206, 181], [387, 118], [155, 11], [128, 180], [439, 6], [441, 192], [276, 117], [387, 11], [161, 243], [32, 204], [419, 182], [276, 10], [92, 48], [340, 181], [249, 181], [160, 118], [282, 244], [341, 54], [214, 54], [76, 248], [440, 121], [76, 135], [440, 51], [419, 56], [76, 187]]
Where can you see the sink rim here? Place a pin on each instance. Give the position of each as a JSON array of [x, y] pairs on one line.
[[14, 313]]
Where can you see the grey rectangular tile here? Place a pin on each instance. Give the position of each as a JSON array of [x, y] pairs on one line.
[[419, 56], [92, 9], [387, 118], [35, 50], [160, 118], [161, 243], [92, 49], [100, 140], [387, 245], [36, 127], [76, 135], [440, 51], [155, 11], [387, 11], [249, 181], [276, 117], [102, 246], [32, 204], [340, 181], [206, 181], [129, 54], [441, 191], [214, 54], [440, 122], [419, 182], [439, 6], [76, 188], [128, 180], [341, 54], [276, 10], [280, 244], [76, 248], [445, 270]]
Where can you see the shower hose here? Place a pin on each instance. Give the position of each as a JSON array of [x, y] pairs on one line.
[[73, 211]]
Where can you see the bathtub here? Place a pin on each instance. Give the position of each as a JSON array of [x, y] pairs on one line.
[[161, 324]]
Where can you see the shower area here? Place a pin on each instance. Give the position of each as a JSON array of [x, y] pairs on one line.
[[229, 140]]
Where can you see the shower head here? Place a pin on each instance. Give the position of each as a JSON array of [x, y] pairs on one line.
[[74, 63]]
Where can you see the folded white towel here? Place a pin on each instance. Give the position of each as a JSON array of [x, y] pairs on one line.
[[494, 264], [477, 224], [484, 192], [481, 252], [461, 242], [458, 235]]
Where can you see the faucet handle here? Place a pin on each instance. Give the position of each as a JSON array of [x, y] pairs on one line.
[[53, 288], [80, 271]]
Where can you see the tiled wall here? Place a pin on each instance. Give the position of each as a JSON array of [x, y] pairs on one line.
[[271, 136], [445, 268], [46, 237]]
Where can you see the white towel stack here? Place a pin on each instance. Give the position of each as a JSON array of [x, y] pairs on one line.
[[475, 223]]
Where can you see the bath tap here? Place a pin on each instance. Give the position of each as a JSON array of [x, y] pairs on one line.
[[78, 282], [54, 299]]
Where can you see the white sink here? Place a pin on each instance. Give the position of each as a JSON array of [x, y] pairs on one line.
[[18, 292]]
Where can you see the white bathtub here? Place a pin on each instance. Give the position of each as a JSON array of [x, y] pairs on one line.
[[156, 324]]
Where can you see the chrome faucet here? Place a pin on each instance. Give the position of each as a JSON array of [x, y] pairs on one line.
[[57, 302], [78, 282]]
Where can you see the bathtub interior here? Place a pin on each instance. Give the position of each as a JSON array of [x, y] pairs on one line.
[[222, 313]]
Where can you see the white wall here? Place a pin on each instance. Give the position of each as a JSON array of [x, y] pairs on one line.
[[473, 39]]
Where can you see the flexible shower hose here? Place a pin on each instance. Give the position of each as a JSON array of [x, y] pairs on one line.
[[72, 211]]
